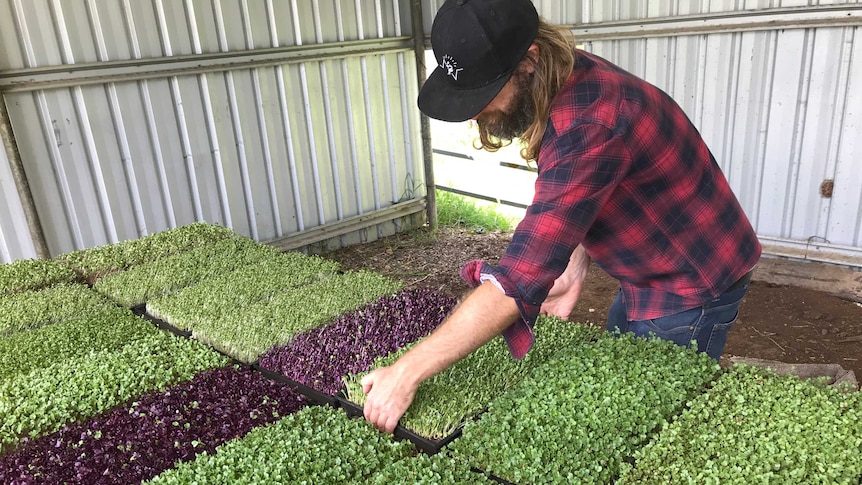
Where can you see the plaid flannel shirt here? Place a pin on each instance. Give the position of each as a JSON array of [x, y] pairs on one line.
[[623, 172]]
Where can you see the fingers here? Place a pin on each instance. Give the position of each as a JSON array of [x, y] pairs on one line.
[[367, 382], [371, 411], [369, 415], [382, 421], [390, 424]]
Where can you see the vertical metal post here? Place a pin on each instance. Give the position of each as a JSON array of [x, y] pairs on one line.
[[21, 183], [425, 123]]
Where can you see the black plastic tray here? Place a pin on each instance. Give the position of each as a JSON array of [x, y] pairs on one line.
[[491, 477], [309, 392], [426, 445], [170, 328], [141, 311]]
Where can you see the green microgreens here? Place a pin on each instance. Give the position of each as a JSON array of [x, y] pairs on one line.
[[315, 445], [166, 275], [754, 426]]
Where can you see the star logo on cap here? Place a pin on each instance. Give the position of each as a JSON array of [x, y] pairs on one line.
[[451, 67]]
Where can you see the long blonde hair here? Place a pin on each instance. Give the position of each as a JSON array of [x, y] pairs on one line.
[[554, 65]]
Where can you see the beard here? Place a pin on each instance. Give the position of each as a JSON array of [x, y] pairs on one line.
[[512, 123]]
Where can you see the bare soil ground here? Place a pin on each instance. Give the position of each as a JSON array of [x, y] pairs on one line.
[[777, 322]]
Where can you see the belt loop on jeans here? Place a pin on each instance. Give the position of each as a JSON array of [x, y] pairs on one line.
[[744, 280]]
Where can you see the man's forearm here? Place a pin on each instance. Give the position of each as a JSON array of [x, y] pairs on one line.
[[579, 262], [484, 314], [389, 390]]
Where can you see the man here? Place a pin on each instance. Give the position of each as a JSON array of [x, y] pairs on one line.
[[624, 179]]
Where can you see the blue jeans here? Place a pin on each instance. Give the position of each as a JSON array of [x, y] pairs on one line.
[[705, 325]]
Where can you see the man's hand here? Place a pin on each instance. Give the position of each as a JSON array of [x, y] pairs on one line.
[[388, 395], [567, 288]]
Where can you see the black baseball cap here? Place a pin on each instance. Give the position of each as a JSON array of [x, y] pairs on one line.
[[477, 44]]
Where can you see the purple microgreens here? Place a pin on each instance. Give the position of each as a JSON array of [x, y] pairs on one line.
[[47, 398], [136, 442], [319, 358]]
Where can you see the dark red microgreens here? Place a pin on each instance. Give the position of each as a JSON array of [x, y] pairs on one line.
[[320, 357], [137, 442]]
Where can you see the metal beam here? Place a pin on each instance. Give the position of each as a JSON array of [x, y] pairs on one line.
[[425, 123], [843, 15], [33, 79], [34, 224], [339, 228], [812, 250]]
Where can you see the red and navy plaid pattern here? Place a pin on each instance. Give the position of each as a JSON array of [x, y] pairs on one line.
[[624, 172]]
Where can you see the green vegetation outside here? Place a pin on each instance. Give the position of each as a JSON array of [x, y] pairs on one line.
[[458, 210]]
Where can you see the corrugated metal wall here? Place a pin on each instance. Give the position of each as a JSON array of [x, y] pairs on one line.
[[270, 117], [774, 88], [278, 117]]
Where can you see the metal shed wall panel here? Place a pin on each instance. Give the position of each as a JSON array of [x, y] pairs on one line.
[[269, 151], [37, 33], [580, 12]]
